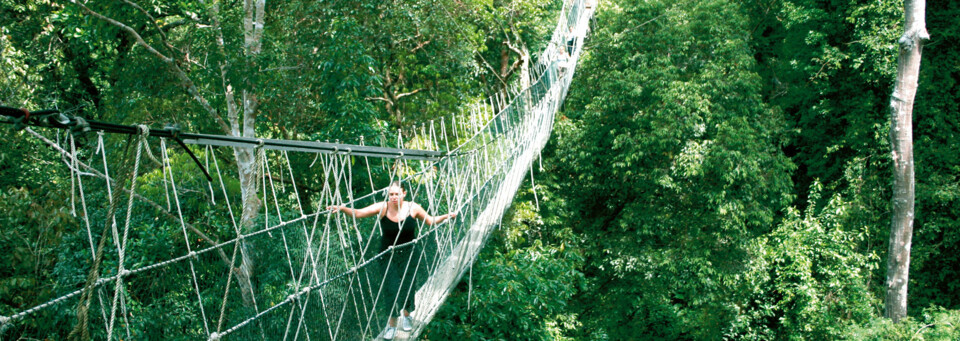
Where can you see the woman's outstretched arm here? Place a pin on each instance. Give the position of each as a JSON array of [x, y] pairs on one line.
[[368, 211], [420, 213]]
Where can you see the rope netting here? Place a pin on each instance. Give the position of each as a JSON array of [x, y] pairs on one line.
[[164, 251]]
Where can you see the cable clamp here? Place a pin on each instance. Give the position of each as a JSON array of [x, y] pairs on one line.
[[174, 130], [79, 126], [144, 130]]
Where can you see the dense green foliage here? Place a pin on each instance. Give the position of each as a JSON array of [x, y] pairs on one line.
[[720, 169], [679, 135], [724, 169], [519, 288]]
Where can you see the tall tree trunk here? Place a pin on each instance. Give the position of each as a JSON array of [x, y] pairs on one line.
[[901, 140], [525, 68], [525, 80], [506, 67], [247, 167], [253, 22]]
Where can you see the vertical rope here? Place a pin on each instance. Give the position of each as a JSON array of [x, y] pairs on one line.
[[424, 138], [310, 258], [164, 169], [207, 151], [268, 176], [533, 186], [73, 171], [366, 161], [293, 275], [121, 271], [86, 223], [261, 159], [93, 275], [83, 203], [236, 243], [325, 236], [470, 287], [353, 256], [456, 129], [186, 241]]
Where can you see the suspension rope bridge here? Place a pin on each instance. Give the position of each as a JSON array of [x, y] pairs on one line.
[[163, 236]]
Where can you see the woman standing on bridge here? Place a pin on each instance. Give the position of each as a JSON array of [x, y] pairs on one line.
[[397, 230]]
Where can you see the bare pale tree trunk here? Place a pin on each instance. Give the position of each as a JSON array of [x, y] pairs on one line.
[[253, 21], [525, 69], [246, 157], [506, 67], [901, 140], [247, 167], [525, 80]]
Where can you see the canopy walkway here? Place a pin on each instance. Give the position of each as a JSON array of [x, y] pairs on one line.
[[332, 283]]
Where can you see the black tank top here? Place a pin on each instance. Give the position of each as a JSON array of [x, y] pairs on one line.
[[391, 230]]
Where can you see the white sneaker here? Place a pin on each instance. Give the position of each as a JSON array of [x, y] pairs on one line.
[[405, 323], [389, 333]]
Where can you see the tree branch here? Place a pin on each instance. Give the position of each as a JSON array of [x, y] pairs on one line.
[[282, 68], [420, 46], [405, 94], [174, 25], [516, 64], [181, 75], [379, 99], [492, 70], [153, 21], [129, 30]]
